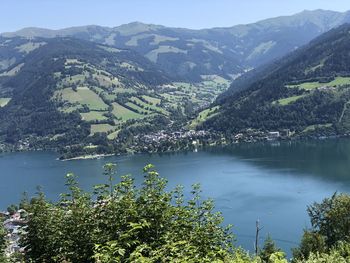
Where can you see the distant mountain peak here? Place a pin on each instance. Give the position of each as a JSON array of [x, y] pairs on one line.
[[189, 54], [135, 28]]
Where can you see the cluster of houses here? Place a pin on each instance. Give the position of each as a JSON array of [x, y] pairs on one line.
[[251, 135], [166, 135], [196, 137], [13, 224]]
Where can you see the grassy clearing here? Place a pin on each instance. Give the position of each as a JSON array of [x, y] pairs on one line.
[[101, 128], [202, 116], [148, 105], [110, 96], [84, 96], [73, 80], [158, 39], [209, 79], [312, 69], [172, 100], [138, 108], [153, 100], [90, 147], [4, 101], [289, 100], [13, 71], [315, 126], [93, 116], [125, 114], [153, 55], [106, 81], [338, 81], [133, 42], [125, 90], [113, 135], [29, 47]]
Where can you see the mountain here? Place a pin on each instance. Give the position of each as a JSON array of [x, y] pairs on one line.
[[177, 51], [306, 91], [65, 91], [227, 52]]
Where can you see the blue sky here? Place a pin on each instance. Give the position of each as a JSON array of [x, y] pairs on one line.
[[16, 14]]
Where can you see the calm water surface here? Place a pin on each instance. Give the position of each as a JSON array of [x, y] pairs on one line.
[[270, 182]]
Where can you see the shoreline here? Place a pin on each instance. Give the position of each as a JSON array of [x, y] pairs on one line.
[[99, 156], [87, 157]]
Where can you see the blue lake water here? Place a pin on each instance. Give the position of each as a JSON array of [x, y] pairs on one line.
[[270, 182]]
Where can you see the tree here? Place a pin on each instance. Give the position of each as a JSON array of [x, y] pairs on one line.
[[339, 254], [330, 221], [268, 249], [123, 223], [311, 242], [12, 209], [2, 242], [331, 218]]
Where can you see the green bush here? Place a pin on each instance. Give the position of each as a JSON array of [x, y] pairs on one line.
[[2, 241], [123, 223], [330, 222]]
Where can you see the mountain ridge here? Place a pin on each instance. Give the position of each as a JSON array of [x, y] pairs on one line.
[[110, 28], [306, 91], [225, 51]]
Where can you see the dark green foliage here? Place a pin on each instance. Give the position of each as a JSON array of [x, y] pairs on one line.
[[121, 223], [254, 106], [331, 218], [268, 249], [311, 242], [2, 241], [12, 209], [330, 222]]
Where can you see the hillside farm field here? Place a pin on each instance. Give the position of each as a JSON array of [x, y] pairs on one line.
[[4, 101], [289, 100], [84, 96], [101, 128], [105, 102], [338, 81], [93, 115], [203, 116], [124, 114]]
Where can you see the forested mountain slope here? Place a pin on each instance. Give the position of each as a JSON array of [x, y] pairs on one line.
[[66, 89], [305, 91]]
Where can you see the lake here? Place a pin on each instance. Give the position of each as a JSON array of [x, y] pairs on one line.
[[272, 182]]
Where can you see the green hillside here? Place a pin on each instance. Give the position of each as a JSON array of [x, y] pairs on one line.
[[74, 92], [306, 91]]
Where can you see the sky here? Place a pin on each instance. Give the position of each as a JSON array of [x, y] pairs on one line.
[[195, 14]]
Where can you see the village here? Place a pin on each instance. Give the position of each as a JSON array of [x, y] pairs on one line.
[[13, 223]]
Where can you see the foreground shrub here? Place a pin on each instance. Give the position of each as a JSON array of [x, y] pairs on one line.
[[338, 254], [123, 223], [330, 221]]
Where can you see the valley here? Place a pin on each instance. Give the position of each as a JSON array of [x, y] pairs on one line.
[[110, 106], [115, 94], [213, 131], [90, 95]]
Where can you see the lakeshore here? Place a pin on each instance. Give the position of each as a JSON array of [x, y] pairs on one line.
[[294, 174], [87, 157]]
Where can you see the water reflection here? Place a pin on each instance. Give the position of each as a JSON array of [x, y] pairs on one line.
[[326, 160]]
